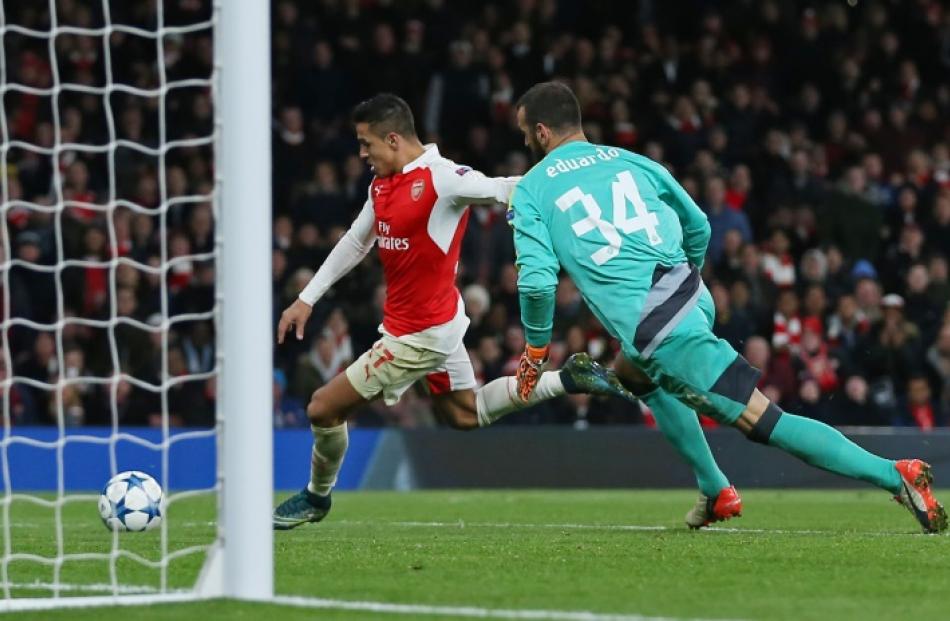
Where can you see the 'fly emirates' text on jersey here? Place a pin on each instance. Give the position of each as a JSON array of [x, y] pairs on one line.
[[417, 219]]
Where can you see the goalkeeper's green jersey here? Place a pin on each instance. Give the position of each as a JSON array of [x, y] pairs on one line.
[[609, 217]]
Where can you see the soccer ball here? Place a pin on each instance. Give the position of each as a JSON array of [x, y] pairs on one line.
[[131, 501]]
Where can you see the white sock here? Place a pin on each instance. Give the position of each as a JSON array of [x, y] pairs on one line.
[[329, 447], [500, 397]]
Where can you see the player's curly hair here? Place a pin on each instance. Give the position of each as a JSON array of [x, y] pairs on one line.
[[552, 104], [386, 113]]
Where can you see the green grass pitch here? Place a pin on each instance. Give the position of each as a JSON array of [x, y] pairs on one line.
[[793, 555]]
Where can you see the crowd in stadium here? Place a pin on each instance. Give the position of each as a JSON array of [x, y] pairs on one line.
[[813, 135]]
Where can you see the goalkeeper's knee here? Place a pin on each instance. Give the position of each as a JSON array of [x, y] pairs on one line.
[[760, 430]]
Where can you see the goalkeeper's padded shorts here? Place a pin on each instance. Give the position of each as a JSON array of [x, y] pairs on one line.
[[700, 369]]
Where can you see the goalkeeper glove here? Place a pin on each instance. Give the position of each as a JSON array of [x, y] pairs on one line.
[[532, 364]]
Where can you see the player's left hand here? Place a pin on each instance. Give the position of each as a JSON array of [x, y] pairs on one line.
[[532, 364]]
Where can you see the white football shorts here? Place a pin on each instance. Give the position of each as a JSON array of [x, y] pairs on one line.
[[392, 366]]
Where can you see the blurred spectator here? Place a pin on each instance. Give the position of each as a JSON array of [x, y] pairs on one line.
[[288, 410], [938, 362], [814, 267], [819, 365], [938, 289], [81, 402], [325, 88], [198, 348], [40, 365], [730, 325], [855, 407], [777, 381], [918, 304], [477, 302], [892, 353], [34, 290], [729, 266], [322, 203], [847, 325], [291, 152], [900, 257], [188, 402], [850, 220], [778, 263], [814, 303], [867, 294], [805, 188], [23, 410], [920, 407], [318, 366], [837, 279], [787, 325], [457, 98], [722, 218]]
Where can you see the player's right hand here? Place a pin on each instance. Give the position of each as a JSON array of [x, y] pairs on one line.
[[295, 315]]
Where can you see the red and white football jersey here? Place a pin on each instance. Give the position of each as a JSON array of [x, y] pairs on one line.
[[417, 219]]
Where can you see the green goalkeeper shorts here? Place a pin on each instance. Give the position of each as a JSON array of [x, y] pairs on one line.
[[675, 346]]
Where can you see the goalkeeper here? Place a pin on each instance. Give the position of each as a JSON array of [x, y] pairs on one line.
[[633, 241]]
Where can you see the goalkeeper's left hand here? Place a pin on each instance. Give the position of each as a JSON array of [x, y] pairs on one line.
[[533, 362]]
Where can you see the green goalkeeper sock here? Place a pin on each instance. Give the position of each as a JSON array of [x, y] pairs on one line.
[[825, 447], [681, 427]]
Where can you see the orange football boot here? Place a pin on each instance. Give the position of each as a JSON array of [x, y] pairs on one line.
[[917, 495], [727, 504]]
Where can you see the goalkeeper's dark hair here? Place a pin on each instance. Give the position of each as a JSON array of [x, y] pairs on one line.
[[552, 104], [386, 113]]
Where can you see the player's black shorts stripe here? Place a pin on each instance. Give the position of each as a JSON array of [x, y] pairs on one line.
[[666, 280], [661, 316], [738, 381]]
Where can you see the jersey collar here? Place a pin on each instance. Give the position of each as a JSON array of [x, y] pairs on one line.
[[430, 154]]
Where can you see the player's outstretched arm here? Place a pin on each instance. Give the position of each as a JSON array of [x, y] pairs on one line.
[[467, 186], [537, 283], [346, 254]]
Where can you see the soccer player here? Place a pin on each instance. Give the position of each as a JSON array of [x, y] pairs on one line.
[[416, 215], [633, 241]]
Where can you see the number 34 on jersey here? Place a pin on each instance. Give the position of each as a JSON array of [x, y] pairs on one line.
[[624, 190]]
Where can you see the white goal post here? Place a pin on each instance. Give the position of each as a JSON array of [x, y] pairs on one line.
[[245, 406], [239, 563]]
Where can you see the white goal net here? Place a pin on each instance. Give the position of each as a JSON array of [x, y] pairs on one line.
[[115, 288]]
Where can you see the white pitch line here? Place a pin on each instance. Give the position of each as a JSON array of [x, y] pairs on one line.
[[18, 604], [122, 589], [622, 527], [144, 595], [463, 611]]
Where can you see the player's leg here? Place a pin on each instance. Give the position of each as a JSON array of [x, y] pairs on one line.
[[386, 371], [680, 426], [452, 391], [327, 411], [458, 404], [815, 443], [825, 447], [708, 374]]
